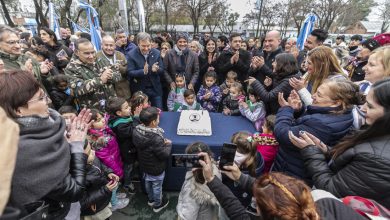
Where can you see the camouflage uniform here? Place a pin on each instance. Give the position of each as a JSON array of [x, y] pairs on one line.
[[122, 87], [87, 85], [12, 62]]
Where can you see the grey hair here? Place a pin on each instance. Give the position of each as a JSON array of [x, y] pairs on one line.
[[6, 29], [143, 36], [120, 31], [199, 45]]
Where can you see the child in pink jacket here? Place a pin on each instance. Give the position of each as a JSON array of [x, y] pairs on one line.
[[266, 142]]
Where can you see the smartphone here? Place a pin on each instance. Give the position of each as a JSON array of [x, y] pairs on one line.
[[227, 155], [186, 160]]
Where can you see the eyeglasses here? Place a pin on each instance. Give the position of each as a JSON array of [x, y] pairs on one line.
[[13, 42], [39, 99]]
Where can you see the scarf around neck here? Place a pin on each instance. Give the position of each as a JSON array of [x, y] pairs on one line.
[[43, 157], [142, 129]]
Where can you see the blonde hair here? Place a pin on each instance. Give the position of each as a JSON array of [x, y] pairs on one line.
[[383, 53], [325, 64], [166, 44]]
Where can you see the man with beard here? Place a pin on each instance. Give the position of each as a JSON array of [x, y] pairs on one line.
[[108, 57], [181, 60], [233, 59], [355, 67]]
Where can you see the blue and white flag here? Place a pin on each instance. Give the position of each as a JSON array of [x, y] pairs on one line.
[[94, 25], [258, 4], [306, 29], [53, 18], [78, 28]]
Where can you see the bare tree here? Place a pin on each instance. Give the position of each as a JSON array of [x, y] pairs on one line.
[[39, 16], [228, 22], [166, 5], [214, 16], [5, 6], [196, 9], [298, 11], [328, 11], [385, 15]]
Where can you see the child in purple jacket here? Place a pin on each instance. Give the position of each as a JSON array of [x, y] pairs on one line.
[[209, 95]]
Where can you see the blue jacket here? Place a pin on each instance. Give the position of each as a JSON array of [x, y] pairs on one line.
[[135, 71], [126, 48], [320, 122]]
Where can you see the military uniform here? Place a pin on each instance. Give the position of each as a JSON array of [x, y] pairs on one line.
[[13, 62], [87, 85], [122, 88]]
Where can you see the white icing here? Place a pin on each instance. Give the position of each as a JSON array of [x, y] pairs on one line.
[[194, 122]]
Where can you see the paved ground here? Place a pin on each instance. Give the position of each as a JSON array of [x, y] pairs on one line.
[[138, 209]]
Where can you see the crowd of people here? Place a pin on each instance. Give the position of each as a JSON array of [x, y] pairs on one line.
[[79, 125]]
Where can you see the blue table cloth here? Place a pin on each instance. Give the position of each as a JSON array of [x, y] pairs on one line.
[[223, 127]]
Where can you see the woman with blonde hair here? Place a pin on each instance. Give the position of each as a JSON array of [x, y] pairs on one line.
[[165, 47], [377, 68], [321, 64]]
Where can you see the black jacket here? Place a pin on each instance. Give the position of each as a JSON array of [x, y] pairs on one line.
[[358, 72], [241, 67], [266, 69], [70, 190], [54, 51], [60, 98], [329, 209], [203, 66], [153, 152], [231, 104], [270, 98], [362, 170], [123, 128], [96, 191]]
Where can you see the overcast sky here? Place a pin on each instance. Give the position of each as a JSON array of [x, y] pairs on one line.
[[243, 7]]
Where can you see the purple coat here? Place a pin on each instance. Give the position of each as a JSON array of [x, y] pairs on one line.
[[107, 149], [213, 102]]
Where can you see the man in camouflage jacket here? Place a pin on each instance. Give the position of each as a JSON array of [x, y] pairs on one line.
[[92, 86], [13, 59], [108, 57]]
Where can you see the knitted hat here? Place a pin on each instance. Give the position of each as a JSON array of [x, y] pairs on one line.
[[371, 44], [382, 39]]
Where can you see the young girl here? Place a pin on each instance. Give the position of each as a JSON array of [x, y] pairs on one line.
[[106, 147], [196, 201], [253, 109], [248, 160], [138, 101], [189, 102], [230, 103], [61, 94], [177, 95], [209, 95], [266, 142]]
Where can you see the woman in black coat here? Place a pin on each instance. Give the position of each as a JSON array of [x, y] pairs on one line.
[[59, 53], [49, 166], [207, 60], [360, 163], [285, 67]]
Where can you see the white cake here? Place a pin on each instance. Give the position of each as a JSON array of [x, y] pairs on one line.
[[194, 122]]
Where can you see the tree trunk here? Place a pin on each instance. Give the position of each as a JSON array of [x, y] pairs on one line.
[[6, 14], [166, 21], [40, 17], [64, 12]]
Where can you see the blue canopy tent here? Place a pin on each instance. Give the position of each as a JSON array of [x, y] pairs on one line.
[[306, 30]]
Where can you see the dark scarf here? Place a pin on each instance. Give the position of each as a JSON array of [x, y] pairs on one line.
[[43, 157]]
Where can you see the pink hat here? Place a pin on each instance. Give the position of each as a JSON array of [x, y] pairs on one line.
[[383, 39]]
